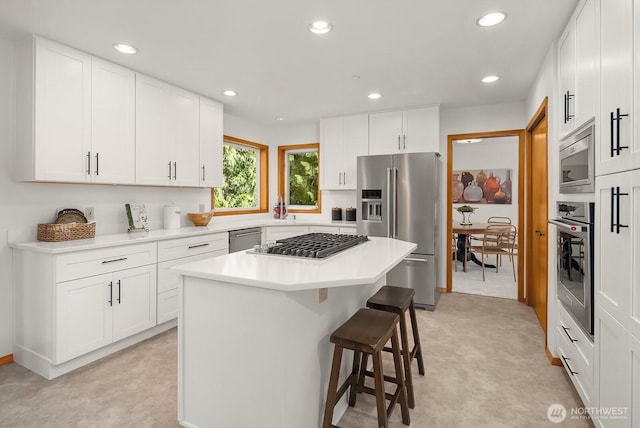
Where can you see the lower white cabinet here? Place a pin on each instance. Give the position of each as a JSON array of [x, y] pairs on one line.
[[333, 229], [96, 311]]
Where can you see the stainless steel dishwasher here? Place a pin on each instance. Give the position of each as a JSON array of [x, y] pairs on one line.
[[244, 239]]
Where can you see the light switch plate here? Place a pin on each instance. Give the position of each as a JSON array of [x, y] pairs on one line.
[[90, 213], [323, 294]]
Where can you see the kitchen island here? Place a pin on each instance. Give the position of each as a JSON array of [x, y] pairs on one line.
[[253, 332]]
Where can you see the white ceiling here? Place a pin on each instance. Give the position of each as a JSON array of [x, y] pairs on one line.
[[415, 52]]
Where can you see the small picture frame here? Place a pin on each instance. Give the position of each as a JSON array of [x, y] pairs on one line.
[[137, 217]]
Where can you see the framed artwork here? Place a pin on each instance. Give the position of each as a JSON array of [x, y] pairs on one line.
[[482, 186], [137, 217]]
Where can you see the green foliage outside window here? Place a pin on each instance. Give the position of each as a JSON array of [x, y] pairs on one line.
[[240, 178], [303, 178]]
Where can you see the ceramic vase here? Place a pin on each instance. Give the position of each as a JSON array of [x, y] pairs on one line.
[[456, 188], [466, 218], [467, 179], [481, 177], [473, 193], [506, 186], [500, 197], [490, 187]]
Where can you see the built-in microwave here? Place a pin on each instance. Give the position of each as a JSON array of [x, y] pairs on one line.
[[577, 173]]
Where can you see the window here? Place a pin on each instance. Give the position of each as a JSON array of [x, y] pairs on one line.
[[299, 177], [245, 170]]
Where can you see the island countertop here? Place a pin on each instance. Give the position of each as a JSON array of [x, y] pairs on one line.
[[363, 264]]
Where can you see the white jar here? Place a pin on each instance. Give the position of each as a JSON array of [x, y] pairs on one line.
[[172, 217]]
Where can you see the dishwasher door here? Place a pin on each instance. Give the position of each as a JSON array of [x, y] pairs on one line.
[[244, 239]]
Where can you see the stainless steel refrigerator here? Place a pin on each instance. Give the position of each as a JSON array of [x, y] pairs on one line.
[[399, 198]]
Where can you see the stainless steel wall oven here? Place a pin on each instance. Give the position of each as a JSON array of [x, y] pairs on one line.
[[575, 224]]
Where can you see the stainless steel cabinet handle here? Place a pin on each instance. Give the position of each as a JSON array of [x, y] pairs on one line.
[[203, 173], [175, 170], [398, 142], [240, 235], [119, 292], [339, 178], [404, 141], [88, 163], [114, 260], [110, 294], [97, 163], [566, 331], [198, 245], [169, 170], [344, 177]]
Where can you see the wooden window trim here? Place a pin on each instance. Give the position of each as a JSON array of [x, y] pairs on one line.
[[281, 163], [264, 179]]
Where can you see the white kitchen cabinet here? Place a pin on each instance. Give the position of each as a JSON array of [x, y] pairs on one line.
[[211, 141], [272, 234], [615, 249], [343, 230], [614, 377], [53, 108], [180, 251], [167, 134], [134, 301], [112, 154], [405, 131], [616, 148], [577, 68], [342, 140]]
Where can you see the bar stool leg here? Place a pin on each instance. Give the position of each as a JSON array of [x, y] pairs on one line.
[[406, 357], [333, 387], [404, 409], [416, 338], [355, 374], [379, 388]]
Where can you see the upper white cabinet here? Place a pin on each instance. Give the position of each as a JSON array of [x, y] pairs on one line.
[[112, 158], [577, 68], [405, 131], [211, 140], [342, 140], [53, 106], [167, 134], [617, 147]]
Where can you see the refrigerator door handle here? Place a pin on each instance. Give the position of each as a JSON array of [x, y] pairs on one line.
[[389, 206], [413, 259], [395, 203]]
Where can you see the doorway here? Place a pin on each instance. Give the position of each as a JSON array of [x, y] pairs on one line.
[[519, 135], [537, 213]]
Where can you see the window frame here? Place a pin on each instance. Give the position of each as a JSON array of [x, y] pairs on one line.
[[263, 178], [283, 175]]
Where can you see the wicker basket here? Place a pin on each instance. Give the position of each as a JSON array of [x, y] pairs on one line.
[[52, 232]]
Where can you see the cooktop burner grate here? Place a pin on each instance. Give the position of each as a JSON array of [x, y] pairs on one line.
[[315, 245]]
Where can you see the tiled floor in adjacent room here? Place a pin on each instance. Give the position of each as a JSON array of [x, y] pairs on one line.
[[485, 367]]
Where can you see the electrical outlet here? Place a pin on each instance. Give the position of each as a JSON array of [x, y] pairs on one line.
[[323, 294], [89, 213], [201, 208]]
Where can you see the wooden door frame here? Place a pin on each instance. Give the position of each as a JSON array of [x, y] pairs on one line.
[[522, 251]]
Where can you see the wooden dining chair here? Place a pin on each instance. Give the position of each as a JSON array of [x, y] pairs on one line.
[[492, 220], [498, 240], [454, 250]]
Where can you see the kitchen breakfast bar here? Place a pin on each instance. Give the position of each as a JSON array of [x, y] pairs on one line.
[[253, 332]]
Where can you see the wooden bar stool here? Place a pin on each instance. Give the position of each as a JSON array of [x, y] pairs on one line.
[[367, 332], [398, 300]]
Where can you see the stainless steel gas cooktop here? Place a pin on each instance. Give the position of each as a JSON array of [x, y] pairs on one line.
[[312, 245]]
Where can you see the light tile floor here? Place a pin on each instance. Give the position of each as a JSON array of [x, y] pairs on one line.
[[500, 284]]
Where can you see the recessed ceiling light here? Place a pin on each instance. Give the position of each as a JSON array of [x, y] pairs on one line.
[[490, 79], [280, 118], [491, 19], [320, 27], [374, 96], [469, 141], [229, 93], [125, 48]]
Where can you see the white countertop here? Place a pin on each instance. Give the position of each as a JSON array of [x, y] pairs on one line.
[[363, 264], [103, 241]]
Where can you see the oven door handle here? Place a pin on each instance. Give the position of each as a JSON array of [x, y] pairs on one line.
[[569, 227]]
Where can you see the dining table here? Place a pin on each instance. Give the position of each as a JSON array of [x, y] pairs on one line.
[[463, 231]]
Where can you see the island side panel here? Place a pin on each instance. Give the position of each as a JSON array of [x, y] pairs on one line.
[[242, 347]]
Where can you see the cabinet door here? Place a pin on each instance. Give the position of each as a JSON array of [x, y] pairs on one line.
[[112, 123], [634, 226], [83, 316], [567, 72], [211, 140], [134, 301], [421, 130], [184, 139], [616, 90], [385, 133], [614, 368], [356, 143], [62, 113], [613, 245], [152, 139], [332, 148], [585, 64]]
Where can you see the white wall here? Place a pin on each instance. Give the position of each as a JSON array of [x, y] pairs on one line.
[[485, 118]]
